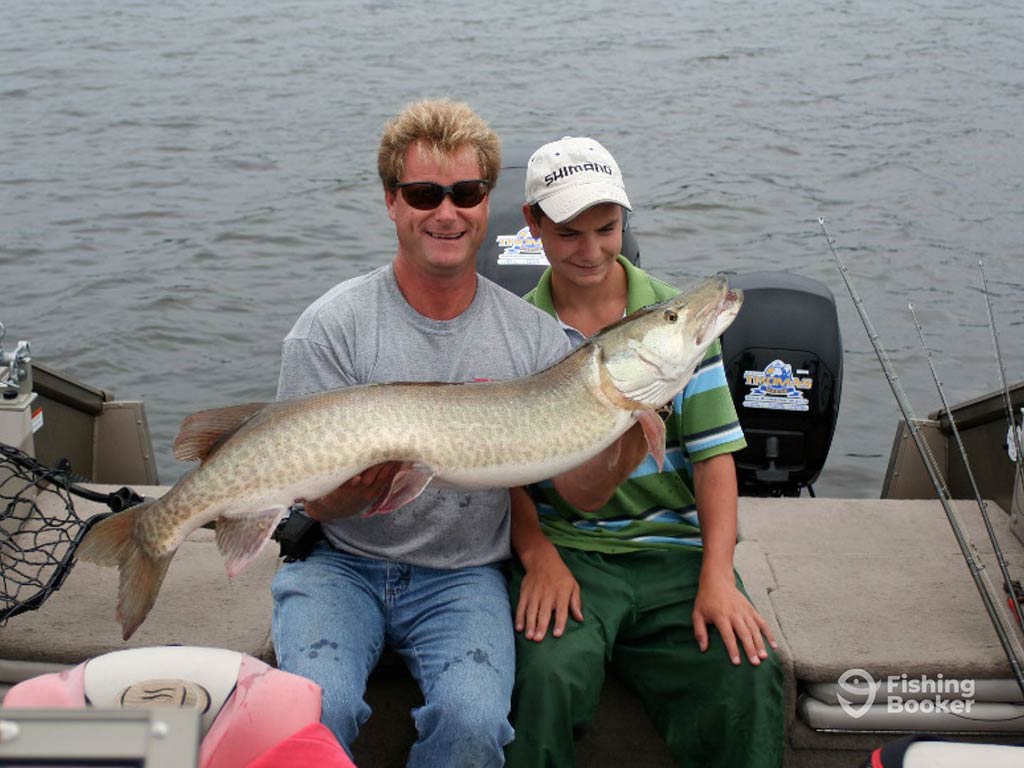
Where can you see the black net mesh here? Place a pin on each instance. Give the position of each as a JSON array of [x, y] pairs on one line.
[[39, 528]]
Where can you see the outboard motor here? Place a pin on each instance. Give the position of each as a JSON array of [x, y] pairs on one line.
[[510, 256], [783, 358]]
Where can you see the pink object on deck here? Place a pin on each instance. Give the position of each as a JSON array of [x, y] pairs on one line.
[[267, 714], [267, 706], [314, 745], [58, 690]]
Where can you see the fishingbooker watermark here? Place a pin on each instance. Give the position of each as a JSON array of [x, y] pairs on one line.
[[904, 693]]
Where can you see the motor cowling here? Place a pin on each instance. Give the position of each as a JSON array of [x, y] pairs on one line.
[[783, 358]]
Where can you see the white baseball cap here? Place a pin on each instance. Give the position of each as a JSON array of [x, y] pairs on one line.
[[572, 174]]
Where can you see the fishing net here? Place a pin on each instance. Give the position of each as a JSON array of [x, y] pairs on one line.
[[40, 529]]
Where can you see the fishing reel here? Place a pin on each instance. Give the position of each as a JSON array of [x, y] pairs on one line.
[[15, 368]]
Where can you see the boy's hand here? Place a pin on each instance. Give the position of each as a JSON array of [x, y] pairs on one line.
[[738, 622], [548, 588]]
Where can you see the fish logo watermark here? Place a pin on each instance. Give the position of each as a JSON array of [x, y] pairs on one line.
[[905, 693], [860, 685]]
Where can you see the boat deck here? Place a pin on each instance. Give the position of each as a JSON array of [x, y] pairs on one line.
[[877, 585]]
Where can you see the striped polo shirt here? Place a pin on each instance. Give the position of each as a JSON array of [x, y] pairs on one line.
[[650, 509]]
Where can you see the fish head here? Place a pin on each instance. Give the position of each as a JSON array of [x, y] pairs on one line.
[[650, 355]]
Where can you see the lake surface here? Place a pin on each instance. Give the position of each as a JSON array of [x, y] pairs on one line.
[[178, 182]]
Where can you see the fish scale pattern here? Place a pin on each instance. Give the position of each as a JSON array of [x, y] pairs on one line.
[[471, 434]]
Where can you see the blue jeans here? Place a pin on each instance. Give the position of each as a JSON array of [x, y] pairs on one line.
[[334, 613]]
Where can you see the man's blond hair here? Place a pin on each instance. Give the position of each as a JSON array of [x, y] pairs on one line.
[[443, 127]]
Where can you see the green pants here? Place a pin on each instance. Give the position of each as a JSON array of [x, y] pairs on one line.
[[637, 617]]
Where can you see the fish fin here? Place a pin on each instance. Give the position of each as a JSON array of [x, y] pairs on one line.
[[654, 431], [240, 538], [202, 432], [109, 541], [406, 485], [112, 542], [141, 577]]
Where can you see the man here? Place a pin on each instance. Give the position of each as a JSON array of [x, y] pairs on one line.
[[426, 579], [645, 568]]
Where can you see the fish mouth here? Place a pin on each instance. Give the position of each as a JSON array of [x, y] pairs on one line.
[[714, 318], [731, 301], [726, 311]]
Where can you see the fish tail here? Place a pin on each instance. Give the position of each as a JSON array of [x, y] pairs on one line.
[[112, 542]]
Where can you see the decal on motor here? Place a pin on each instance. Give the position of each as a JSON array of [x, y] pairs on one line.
[[776, 388], [521, 248]]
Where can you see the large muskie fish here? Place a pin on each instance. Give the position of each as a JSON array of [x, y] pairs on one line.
[[259, 459]]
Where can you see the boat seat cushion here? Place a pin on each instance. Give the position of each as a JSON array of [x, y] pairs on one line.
[[886, 590]]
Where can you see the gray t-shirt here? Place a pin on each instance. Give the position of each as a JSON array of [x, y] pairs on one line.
[[363, 331]]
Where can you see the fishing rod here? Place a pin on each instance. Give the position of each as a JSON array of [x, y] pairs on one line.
[[1014, 438], [932, 468], [1008, 584]]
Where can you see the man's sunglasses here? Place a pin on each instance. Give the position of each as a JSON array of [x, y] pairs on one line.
[[427, 195]]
